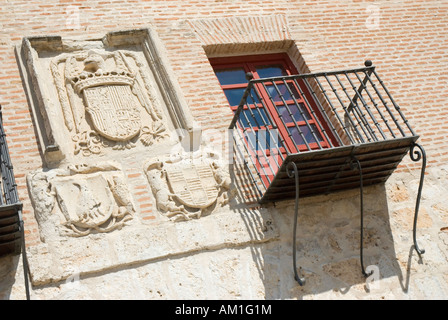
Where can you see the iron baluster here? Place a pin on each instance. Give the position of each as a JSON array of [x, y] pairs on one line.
[[239, 112], [246, 163], [284, 123], [278, 137], [253, 147], [322, 111], [268, 139], [242, 102], [333, 108], [300, 110], [375, 104], [397, 107], [363, 82], [346, 113], [9, 184], [2, 200], [273, 138], [260, 145], [317, 120], [358, 94], [248, 144], [368, 64], [384, 102], [249, 76], [358, 114]]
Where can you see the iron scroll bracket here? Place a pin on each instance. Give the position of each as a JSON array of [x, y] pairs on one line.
[[25, 261], [292, 171], [416, 156], [354, 161]]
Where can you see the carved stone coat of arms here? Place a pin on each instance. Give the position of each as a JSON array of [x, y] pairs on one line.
[[83, 199], [186, 188], [106, 101]]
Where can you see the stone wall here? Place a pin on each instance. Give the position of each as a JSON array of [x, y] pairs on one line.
[[230, 248]]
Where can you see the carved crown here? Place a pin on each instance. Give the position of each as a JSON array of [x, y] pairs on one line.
[[87, 80]]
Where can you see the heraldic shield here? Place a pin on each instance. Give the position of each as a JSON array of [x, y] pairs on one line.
[[85, 203], [194, 185], [114, 111]]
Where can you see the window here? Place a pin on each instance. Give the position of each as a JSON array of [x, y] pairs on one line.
[[285, 101], [281, 103]]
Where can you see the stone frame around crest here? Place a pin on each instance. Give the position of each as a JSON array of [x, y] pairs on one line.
[[42, 103]]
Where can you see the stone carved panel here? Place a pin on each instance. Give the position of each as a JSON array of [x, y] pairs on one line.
[[98, 96], [81, 199], [188, 186], [105, 101]]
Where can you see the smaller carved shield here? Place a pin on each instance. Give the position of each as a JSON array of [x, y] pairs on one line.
[[194, 184], [86, 202]]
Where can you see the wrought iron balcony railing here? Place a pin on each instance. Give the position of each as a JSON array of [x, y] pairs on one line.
[[12, 238], [309, 134], [10, 206]]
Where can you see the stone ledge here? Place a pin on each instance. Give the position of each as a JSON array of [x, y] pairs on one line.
[[56, 261]]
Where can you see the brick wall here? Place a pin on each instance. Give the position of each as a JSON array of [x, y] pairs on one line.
[[406, 40]]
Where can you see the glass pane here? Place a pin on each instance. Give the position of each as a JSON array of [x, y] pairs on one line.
[[297, 115], [231, 76], [264, 141], [234, 96], [297, 137], [276, 70], [282, 91], [256, 117]]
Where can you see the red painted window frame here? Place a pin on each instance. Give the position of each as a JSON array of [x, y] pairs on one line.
[[249, 64]]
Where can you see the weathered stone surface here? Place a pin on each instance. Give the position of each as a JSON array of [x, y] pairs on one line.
[[58, 260], [398, 193], [346, 271], [240, 253], [102, 96], [80, 199], [188, 185], [405, 217]]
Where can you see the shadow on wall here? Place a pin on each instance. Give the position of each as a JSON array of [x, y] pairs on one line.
[[328, 246], [8, 271]]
